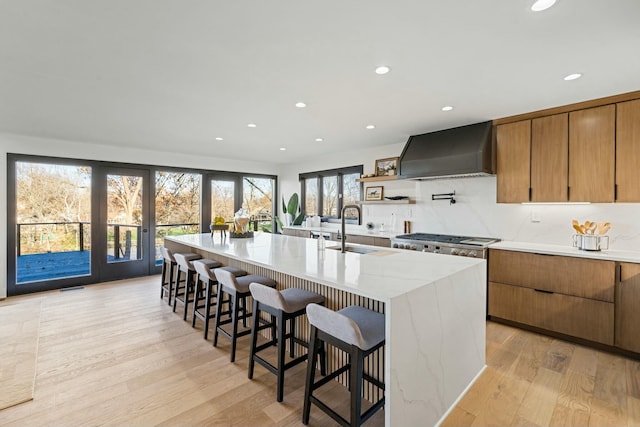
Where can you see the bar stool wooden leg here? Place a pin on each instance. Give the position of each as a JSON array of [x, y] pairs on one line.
[[311, 373]]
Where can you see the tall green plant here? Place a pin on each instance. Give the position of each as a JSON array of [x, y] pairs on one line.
[[293, 209]]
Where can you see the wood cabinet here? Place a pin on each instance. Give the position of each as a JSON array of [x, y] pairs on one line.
[[627, 333], [364, 240], [578, 317], [550, 158], [628, 151], [581, 155], [592, 154], [567, 295], [296, 233], [513, 160], [581, 277]]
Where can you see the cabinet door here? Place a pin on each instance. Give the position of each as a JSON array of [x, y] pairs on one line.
[[592, 155], [513, 162], [361, 240], [628, 151], [627, 312], [382, 241], [289, 232], [550, 158]]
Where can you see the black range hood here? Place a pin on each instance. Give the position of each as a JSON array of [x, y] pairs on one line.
[[458, 152]]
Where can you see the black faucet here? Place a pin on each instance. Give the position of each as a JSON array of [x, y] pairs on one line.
[[344, 208]]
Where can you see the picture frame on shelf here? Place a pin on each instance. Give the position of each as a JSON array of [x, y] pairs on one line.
[[373, 193], [387, 167]]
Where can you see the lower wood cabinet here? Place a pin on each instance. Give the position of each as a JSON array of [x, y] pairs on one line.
[[296, 233], [628, 308], [568, 295], [579, 317]]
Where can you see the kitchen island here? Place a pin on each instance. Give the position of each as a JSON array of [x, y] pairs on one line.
[[434, 307]]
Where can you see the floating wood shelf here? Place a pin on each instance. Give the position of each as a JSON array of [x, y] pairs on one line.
[[388, 202], [378, 178]]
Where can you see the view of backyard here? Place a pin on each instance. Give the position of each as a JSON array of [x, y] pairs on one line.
[[53, 215]]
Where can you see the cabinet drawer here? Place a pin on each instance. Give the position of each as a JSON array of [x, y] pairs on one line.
[[569, 315], [382, 241], [582, 277]]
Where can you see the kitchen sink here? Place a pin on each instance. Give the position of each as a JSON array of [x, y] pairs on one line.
[[354, 249]]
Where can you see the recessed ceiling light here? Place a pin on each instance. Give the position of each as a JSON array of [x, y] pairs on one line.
[[447, 108], [383, 69], [573, 76], [218, 138], [371, 127], [251, 125], [283, 149], [319, 139], [540, 5], [300, 104]]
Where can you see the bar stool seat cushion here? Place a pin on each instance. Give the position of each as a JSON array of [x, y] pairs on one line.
[[209, 263], [190, 257], [354, 324], [288, 300], [235, 271], [245, 281]]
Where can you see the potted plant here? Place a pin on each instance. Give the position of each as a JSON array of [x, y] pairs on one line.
[[294, 214]]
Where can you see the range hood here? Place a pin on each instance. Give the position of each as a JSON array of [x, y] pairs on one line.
[[458, 152]]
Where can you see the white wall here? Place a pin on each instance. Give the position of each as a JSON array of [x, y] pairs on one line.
[[476, 212], [56, 148]]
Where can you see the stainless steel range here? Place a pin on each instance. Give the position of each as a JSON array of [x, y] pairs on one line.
[[442, 244]]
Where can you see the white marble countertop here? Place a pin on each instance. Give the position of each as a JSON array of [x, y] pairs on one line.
[[350, 229], [542, 248], [382, 275]]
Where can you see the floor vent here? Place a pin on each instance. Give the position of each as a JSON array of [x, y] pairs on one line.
[[77, 288]]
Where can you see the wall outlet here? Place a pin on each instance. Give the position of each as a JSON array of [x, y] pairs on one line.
[[535, 215]]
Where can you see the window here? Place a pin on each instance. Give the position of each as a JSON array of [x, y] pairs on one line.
[[324, 193]]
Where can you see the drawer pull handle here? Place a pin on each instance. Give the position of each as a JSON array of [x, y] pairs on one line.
[[543, 291]]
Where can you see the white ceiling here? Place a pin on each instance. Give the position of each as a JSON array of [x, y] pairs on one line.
[[175, 74]]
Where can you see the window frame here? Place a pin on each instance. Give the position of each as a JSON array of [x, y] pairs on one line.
[[320, 175]]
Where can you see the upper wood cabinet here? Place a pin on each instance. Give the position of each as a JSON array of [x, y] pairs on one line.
[[587, 152], [549, 158], [513, 159], [592, 154], [628, 151]]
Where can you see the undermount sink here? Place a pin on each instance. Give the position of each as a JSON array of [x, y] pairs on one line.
[[354, 249]]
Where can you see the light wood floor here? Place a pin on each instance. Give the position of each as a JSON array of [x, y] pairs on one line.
[[534, 380], [115, 354]]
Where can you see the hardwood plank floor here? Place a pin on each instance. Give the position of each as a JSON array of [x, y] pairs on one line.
[[115, 354], [535, 380]]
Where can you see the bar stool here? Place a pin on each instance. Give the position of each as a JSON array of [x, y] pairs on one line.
[[185, 266], [283, 306], [207, 293], [237, 288], [357, 331], [169, 262]]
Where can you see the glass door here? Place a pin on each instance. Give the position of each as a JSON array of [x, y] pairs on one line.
[[223, 199], [125, 225]]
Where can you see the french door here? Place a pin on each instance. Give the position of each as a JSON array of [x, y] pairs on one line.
[[122, 233]]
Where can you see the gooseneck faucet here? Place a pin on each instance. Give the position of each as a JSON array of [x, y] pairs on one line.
[[344, 208]]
